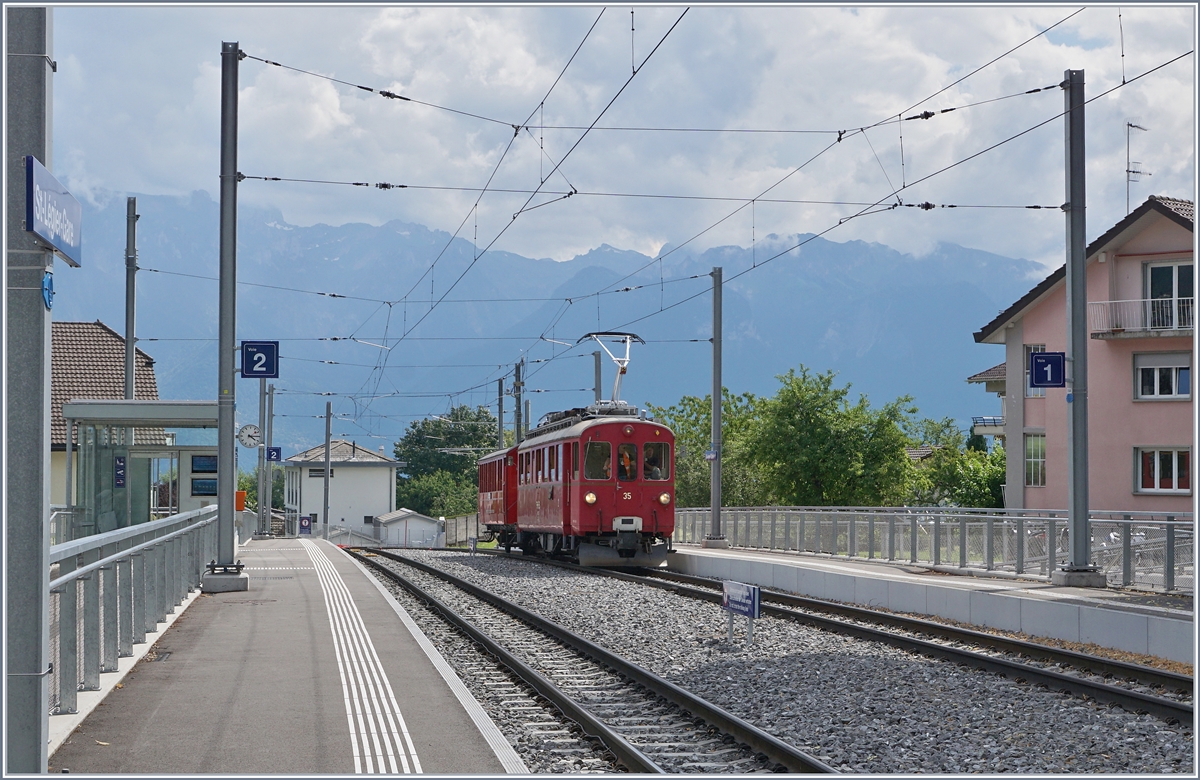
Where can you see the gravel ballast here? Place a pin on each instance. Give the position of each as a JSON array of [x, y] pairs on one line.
[[859, 706]]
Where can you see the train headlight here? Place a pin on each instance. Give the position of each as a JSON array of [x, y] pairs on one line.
[[664, 499], [590, 498]]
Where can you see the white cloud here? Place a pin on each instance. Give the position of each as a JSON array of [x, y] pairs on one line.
[[144, 117]]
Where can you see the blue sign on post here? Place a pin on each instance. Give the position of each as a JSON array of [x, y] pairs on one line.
[[260, 359], [1048, 369], [274, 454], [741, 599], [51, 213], [305, 524], [119, 471]]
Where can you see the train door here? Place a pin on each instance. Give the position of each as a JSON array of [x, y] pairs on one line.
[[627, 469]]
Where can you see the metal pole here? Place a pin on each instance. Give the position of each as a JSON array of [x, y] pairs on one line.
[[500, 414], [226, 395], [716, 538], [28, 112], [528, 415], [1078, 562], [270, 434], [599, 372], [131, 218], [325, 500], [517, 397], [263, 486]]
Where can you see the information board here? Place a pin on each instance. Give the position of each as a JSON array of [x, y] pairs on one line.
[[741, 599], [51, 213]]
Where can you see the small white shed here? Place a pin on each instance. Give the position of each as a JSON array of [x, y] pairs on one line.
[[406, 528]]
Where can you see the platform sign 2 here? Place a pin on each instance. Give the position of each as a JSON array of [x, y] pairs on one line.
[[260, 359], [274, 454], [1048, 369], [119, 471]]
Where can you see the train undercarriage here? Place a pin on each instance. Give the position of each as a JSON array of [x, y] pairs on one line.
[[621, 549]]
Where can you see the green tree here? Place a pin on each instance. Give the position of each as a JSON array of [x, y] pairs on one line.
[[691, 421], [248, 481], [814, 448], [435, 482], [981, 479], [440, 494]]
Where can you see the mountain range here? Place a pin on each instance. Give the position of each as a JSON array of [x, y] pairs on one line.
[[888, 323]]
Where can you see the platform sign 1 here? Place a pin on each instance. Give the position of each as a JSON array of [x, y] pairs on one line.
[[260, 359], [738, 598], [119, 471], [51, 213], [1048, 369], [274, 454]]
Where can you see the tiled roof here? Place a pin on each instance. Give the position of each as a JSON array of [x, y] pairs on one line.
[[993, 374], [919, 453], [1181, 212], [1184, 208], [87, 360], [340, 451]]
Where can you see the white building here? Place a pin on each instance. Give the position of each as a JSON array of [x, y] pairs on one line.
[[362, 485]]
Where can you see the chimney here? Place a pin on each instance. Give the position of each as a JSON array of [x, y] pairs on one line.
[[353, 449]]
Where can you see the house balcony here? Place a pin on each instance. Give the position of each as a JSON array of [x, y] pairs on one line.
[[1157, 317], [987, 426]]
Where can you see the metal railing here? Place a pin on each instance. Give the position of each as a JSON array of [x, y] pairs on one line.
[[997, 422], [1152, 314], [107, 591], [340, 534], [1143, 550]]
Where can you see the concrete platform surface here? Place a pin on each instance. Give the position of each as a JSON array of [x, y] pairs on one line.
[[1161, 625], [315, 669]]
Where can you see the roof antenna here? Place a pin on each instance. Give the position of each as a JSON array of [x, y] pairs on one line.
[[627, 339], [1132, 171]]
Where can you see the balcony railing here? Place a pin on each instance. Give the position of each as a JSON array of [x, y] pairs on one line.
[[987, 422], [1159, 314]]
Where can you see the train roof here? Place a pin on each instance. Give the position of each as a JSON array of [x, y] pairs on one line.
[[573, 422]]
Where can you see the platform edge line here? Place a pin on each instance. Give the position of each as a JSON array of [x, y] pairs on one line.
[[488, 729]]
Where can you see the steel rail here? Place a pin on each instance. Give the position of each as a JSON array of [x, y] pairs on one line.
[[632, 758], [791, 758], [1136, 701]]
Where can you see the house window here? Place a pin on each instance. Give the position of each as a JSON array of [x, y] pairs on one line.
[[1163, 375], [1035, 460], [1164, 471], [1170, 288], [1033, 392], [369, 519], [320, 473]]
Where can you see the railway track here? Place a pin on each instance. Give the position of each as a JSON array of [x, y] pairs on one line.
[[1137, 688], [649, 724]]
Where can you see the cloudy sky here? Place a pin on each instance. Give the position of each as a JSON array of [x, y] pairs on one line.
[[137, 107]]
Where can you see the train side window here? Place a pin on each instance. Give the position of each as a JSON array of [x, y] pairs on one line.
[[597, 460], [575, 459], [657, 464], [627, 462]]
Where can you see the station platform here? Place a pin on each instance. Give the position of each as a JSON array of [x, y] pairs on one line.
[[315, 669], [1161, 625]]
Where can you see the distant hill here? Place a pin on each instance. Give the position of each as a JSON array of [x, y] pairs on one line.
[[889, 323]]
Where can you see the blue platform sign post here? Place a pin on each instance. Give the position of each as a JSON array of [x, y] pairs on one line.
[[1048, 369], [51, 213], [274, 454], [305, 524], [260, 359], [737, 598]]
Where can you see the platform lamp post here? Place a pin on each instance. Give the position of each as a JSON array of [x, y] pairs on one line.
[[715, 536], [224, 573]]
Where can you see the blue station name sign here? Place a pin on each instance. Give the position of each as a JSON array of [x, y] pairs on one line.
[[739, 598], [51, 213]]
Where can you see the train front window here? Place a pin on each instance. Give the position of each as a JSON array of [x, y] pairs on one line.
[[627, 462], [657, 465], [597, 460]]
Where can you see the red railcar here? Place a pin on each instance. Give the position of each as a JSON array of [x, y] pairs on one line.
[[498, 493], [596, 484]]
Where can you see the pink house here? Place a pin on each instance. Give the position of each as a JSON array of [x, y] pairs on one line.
[[1140, 290]]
